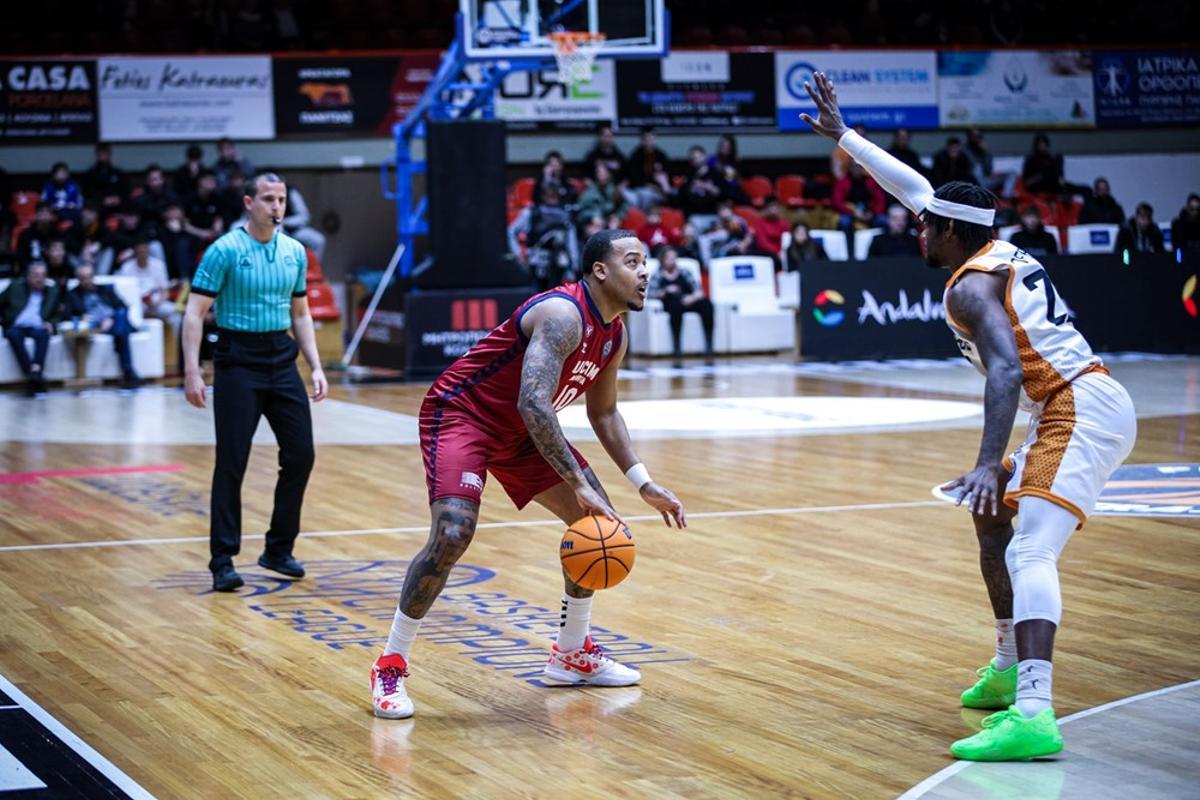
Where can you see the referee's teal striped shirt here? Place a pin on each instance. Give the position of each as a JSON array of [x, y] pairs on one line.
[[254, 283]]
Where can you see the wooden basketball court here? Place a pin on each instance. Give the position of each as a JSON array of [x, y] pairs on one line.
[[806, 636]]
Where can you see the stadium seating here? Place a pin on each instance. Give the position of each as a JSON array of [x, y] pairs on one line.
[[862, 242], [789, 189], [757, 188], [834, 242], [745, 285], [1091, 239], [102, 362], [650, 330]]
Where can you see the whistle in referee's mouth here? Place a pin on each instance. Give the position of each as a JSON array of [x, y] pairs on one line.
[[277, 220]]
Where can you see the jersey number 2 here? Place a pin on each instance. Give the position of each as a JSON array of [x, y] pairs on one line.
[[1031, 282]]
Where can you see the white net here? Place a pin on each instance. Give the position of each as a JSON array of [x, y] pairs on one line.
[[575, 52]]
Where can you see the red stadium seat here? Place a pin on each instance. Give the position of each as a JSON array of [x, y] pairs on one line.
[[634, 219], [672, 219], [748, 213], [757, 188], [23, 205], [790, 190], [523, 191]]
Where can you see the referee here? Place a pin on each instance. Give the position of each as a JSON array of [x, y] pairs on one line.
[[256, 276]]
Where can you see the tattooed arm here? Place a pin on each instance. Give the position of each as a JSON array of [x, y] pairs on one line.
[[976, 302], [554, 329]]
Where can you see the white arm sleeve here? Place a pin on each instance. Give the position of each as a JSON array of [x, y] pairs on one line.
[[897, 178]]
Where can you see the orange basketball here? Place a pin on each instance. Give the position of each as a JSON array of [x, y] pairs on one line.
[[597, 553]]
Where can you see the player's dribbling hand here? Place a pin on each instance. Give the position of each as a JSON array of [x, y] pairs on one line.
[[194, 390], [829, 117], [592, 502], [980, 490], [664, 501]]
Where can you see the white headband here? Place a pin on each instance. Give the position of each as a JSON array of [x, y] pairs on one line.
[[945, 208]]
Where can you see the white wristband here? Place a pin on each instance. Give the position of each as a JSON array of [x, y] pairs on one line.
[[638, 475]]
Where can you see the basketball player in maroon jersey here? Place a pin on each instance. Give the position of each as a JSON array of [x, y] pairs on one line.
[[495, 411]]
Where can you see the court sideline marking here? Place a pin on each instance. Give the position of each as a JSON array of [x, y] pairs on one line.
[[922, 788], [85, 751], [539, 523]]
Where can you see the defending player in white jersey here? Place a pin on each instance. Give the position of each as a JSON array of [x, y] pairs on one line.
[[1014, 327]]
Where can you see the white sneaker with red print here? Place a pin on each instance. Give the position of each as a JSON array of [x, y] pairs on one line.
[[388, 694], [588, 665]]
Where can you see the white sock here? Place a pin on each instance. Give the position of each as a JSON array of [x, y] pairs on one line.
[[573, 629], [1006, 644], [1033, 686], [402, 635]]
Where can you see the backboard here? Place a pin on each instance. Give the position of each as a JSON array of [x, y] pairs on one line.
[[512, 29]]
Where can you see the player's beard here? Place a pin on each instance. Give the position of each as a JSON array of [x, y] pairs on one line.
[[636, 306]]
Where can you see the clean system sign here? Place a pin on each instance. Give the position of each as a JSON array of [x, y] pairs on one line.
[[185, 98], [877, 89]]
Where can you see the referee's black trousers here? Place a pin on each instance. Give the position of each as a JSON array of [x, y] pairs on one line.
[[255, 375]]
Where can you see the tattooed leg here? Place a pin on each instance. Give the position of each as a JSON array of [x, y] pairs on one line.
[[454, 521]]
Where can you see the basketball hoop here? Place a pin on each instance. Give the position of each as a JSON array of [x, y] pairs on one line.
[[575, 52]]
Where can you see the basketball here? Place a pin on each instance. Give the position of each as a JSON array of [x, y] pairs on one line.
[[597, 553]]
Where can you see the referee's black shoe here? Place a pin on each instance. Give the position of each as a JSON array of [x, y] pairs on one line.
[[226, 579], [286, 566]]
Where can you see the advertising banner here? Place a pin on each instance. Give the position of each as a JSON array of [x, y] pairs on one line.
[[709, 89], [1015, 88], [1147, 88], [877, 89], [48, 100], [348, 95], [537, 99], [185, 98], [441, 325]]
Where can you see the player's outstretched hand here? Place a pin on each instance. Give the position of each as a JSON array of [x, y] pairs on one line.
[[980, 490], [666, 503], [829, 117], [592, 502]]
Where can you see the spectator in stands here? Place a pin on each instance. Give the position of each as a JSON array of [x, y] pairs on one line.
[[31, 244], [29, 309], [1142, 234], [232, 207], [899, 239], [769, 229], [551, 245], [1033, 237], [188, 174], [726, 170], [839, 159], [118, 245], [802, 248], [554, 177], [228, 161], [590, 227], [605, 152], [983, 164], [153, 200], [153, 284], [903, 150], [603, 195], [181, 249], [85, 238], [1101, 207], [679, 295], [1185, 230], [646, 169], [952, 163], [60, 265], [858, 200], [732, 235], [688, 245], [298, 223], [654, 234], [105, 183], [102, 310], [701, 194], [63, 193], [203, 214], [1042, 172]]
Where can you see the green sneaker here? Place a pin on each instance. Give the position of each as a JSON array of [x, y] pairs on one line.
[[1009, 736], [994, 689]]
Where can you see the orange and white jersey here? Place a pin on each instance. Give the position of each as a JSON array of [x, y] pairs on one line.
[[1052, 352]]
